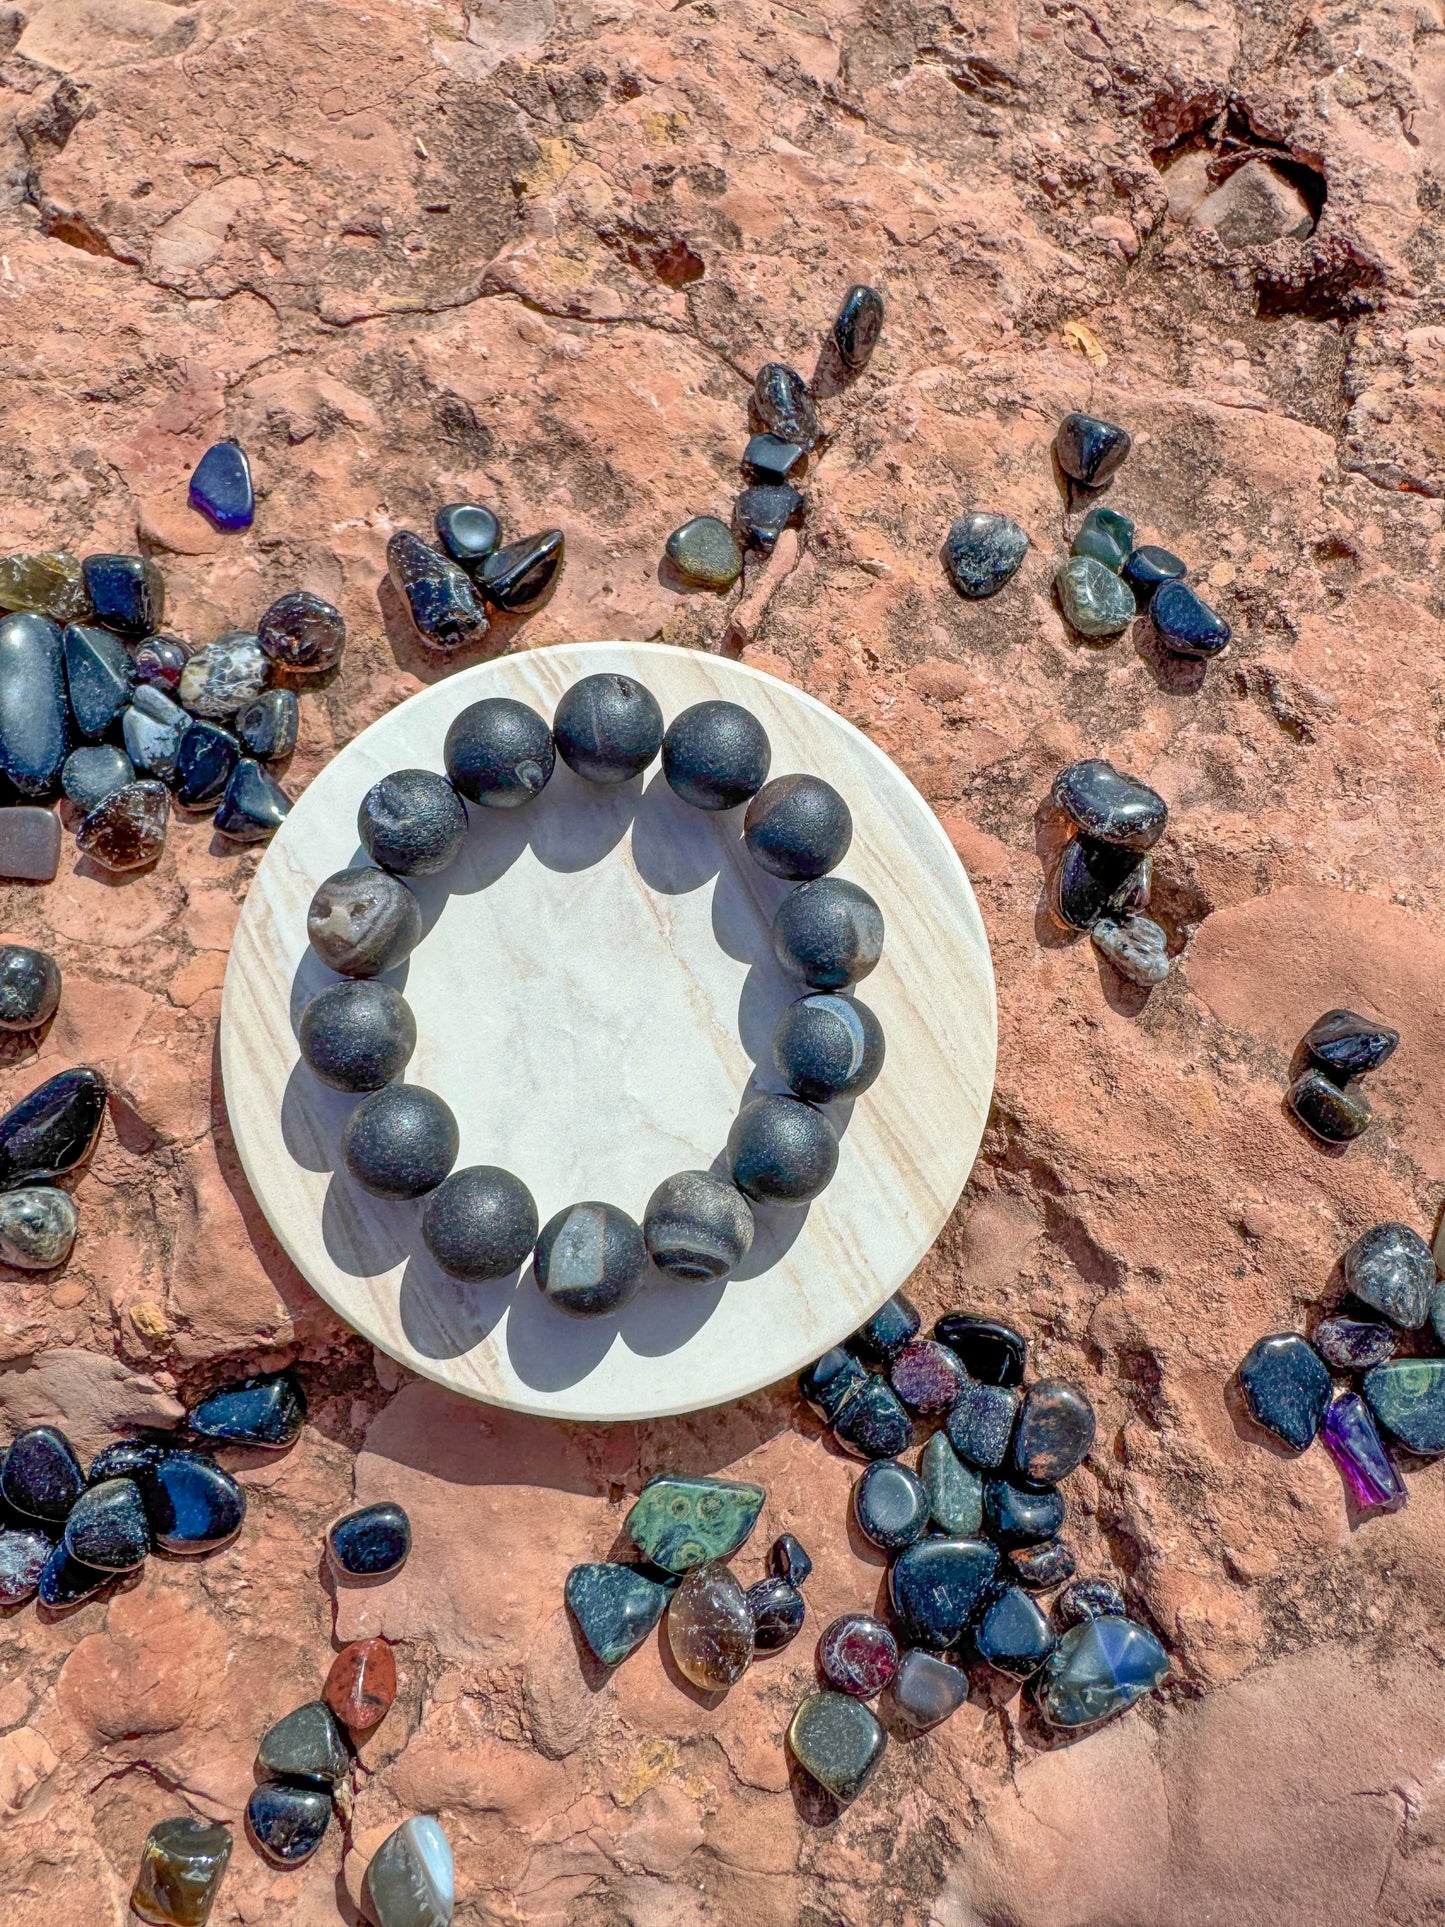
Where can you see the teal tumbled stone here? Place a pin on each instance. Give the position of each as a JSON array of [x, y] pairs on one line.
[[681, 1523], [955, 1490], [1407, 1396], [615, 1607], [1094, 600], [839, 1741], [1106, 535], [1098, 1669]]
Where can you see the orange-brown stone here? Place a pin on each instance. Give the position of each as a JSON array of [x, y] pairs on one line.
[[362, 1683]]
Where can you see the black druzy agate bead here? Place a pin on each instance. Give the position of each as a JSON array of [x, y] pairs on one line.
[[400, 1142], [499, 753], [1018, 1516], [480, 1223], [412, 822], [891, 1505], [370, 1543], [1185, 624], [858, 325], [991, 1352], [288, 1823], [303, 632], [363, 921], [828, 934], [780, 400], [29, 986], [1091, 879], [53, 1129], [778, 1613], [869, 1420], [41, 1476], [798, 827], [1343, 1044], [358, 1035], [268, 1411], [590, 1259], [517, 577], [697, 1226], [607, 728], [1054, 1432], [468, 532], [781, 1150], [1109, 805], [827, 1046], [1287, 1387], [1013, 1635], [715, 755], [1090, 450], [882, 1337], [443, 604], [127, 594]]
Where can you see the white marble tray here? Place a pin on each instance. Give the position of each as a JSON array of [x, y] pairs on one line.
[[595, 994]]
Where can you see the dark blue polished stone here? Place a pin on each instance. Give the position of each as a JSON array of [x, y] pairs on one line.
[[894, 1325], [936, 1587], [858, 325], [1099, 1668], [65, 1581], [1343, 1044], [828, 1380], [53, 1129], [254, 806], [1089, 1599], [126, 1459], [1287, 1388], [787, 1560], [1016, 1516], [517, 577], [991, 1352], [761, 514], [93, 773], [981, 1423], [127, 594], [770, 459], [34, 717], [106, 1528], [221, 487], [615, 1608], [99, 676], [1013, 1635], [205, 763], [1147, 567], [268, 1411], [288, 1823], [268, 725], [778, 1613], [193, 1506], [153, 726], [468, 532], [1090, 450], [41, 1477], [1091, 879], [1185, 623], [371, 1542], [871, 1421], [891, 1505]]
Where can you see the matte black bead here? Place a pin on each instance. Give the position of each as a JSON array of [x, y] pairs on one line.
[[303, 632], [798, 827], [828, 1046], [288, 1823], [1343, 1044], [992, 1352], [1089, 1599], [891, 1505], [1185, 623], [371, 1542], [306, 1745], [99, 677], [1390, 1268], [64, 1581], [981, 1424], [480, 1223], [781, 1150], [53, 1129], [412, 822], [254, 806], [107, 1529], [607, 728], [937, 1586], [499, 753], [715, 755], [1287, 1388], [127, 594], [858, 325], [1013, 1635], [1090, 450], [828, 934], [41, 1477], [590, 1260], [829, 1380], [1091, 879], [469, 533], [33, 711], [881, 1338], [778, 1612], [358, 1035], [400, 1142], [1353, 1344], [444, 608], [1109, 805], [267, 1411], [771, 459], [761, 513], [787, 1560], [205, 763], [94, 773], [870, 1421], [1016, 1515], [1336, 1113], [517, 577], [1040, 1567], [193, 1506], [984, 551], [1054, 1432], [268, 725], [697, 1226], [29, 986], [780, 398], [362, 922], [1147, 567]]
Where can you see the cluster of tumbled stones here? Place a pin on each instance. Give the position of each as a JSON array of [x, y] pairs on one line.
[[706, 552], [49, 1133], [1393, 1297], [401, 1141], [1339, 1049], [1102, 880], [448, 590]]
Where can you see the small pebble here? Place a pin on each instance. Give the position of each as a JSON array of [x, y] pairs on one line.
[[838, 1742], [468, 532], [1110, 806], [983, 552], [797, 827], [715, 755], [302, 632], [1041, 1566], [1089, 1599], [1090, 450], [181, 1869], [99, 677], [153, 727], [193, 1506], [981, 1422], [400, 1142], [516, 578], [1344, 1045], [29, 986], [499, 753], [1287, 1388], [1333, 1113], [128, 830], [787, 1560], [1407, 1396], [23, 1557], [107, 1529], [45, 582], [126, 1459], [927, 1377], [677, 1523], [93, 773], [1185, 624], [926, 1690], [1094, 601], [992, 1352], [480, 1223], [1147, 567], [827, 934], [221, 487], [829, 1380], [1054, 1432], [615, 1608], [761, 513], [288, 1823], [160, 661], [225, 675], [1107, 536], [697, 1227], [41, 1478], [1091, 880], [412, 822], [590, 1260], [1099, 1669], [362, 922], [29, 843], [781, 1150], [769, 459], [780, 399], [937, 1586], [305, 1745], [52, 1129], [358, 1035], [705, 553], [254, 806], [891, 1506], [266, 1411], [34, 714], [361, 1686], [445, 611], [127, 594], [1016, 1515], [870, 1421], [1390, 1268], [268, 725], [858, 325], [411, 1881], [205, 763], [370, 1543], [955, 1490], [710, 1628], [37, 1227], [607, 728], [1353, 1344], [857, 1655], [1353, 1441], [1136, 946], [65, 1582], [827, 1046], [778, 1611], [1013, 1635]]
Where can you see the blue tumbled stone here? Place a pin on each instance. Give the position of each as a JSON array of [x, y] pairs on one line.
[[894, 1325], [1098, 1669], [936, 1587], [266, 1411], [1017, 1516], [193, 1506], [127, 594], [65, 1581], [99, 676], [94, 772], [254, 806], [153, 726], [872, 1422], [891, 1505], [1287, 1387], [221, 487], [828, 1381], [1013, 1635], [205, 764], [372, 1542], [1185, 623], [615, 1607]]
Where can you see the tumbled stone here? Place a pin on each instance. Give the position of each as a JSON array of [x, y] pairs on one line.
[[895, 1324], [788, 1560], [706, 554], [153, 727], [926, 1690], [29, 843], [362, 922], [1089, 1599], [34, 729], [827, 1382], [361, 1686], [94, 772], [1390, 1268], [1286, 1386], [955, 1490], [305, 1745], [1094, 601], [52, 1129], [936, 1587], [1040, 1567], [128, 830], [1091, 879], [890, 1504], [927, 1376], [266, 1411], [1136, 946], [590, 1259], [761, 513], [1343, 1044], [991, 1352], [697, 1226], [106, 1528], [127, 594], [1407, 1396], [468, 532], [221, 487], [23, 1556], [1054, 1432], [871, 1422], [225, 675], [1019, 1515], [710, 1628], [160, 660], [181, 1868], [268, 725], [983, 552], [370, 1543], [126, 1459], [838, 1741], [444, 608], [1355, 1445], [1106, 535], [288, 1823], [615, 1607], [410, 1882], [99, 677], [193, 1506], [981, 1422], [780, 399], [778, 1612], [1185, 624], [1098, 1669], [517, 577], [66, 1582], [858, 1655], [44, 582], [1147, 567], [41, 1477], [29, 986], [1353, 1344], [303, 632], [1110, 806], [205, 763], [1013, 1635], [1335, 1115], [857, 326], [679, 1523], [254, 806], [771, 459], [1090, 450]]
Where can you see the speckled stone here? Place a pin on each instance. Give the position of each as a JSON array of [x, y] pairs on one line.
[[761, 513], [715, 755], [1089, 1599], [266, 1411], [128, 830], [678, 1523], [153, 727], [1040, 1567], [1109, 805], [127, 594], [205, 763], [225, 675], [1099, 1669], [828, 934], [1185, 624], [781, 1150], [52, 1129], [615, 1608], [937, 1586], [981, 1423], [838, 1741], [926, 1691], [362, 922], [400, 1142], [65, 1582], [991, 1352], [517, 577], [705, 553], [93, 773], [302, 632], [780, 400], [288, 1823], [927, 1377], [193, 1506], [607, 728], [778, 1611], [99, 677], [983, 552], [499, 753], [358, 1035], [1089, 449], [41, 1478], [870, 1421], [1136, 946], [1353, 1344], [1107, 536], [468, 532], [480, 1223], [254, 806], [106, 1529], [1054, 1432], [34, 715], [412, 822], [797, 827], [857, 326], [361, 1686], [1094, 601], [221, 487], [1287, 1388], [828, 1046], [37, 1227], [23, 1556], [1018, 1515], [697, 1227], [1013, 1635], [44, 582], [881, 1338], [304, 1745], [1407, 1396], [1390, 1268], [1336, 1115], [769, 459], [268, 726], [410, 1882], [710, 1628], [955, 1490], [1091, 878], [858, 1655], [445, 611], [370, 1543], [181, 1869], [590, 1259], [1343, 1044], [891, 1506], [29, 986]]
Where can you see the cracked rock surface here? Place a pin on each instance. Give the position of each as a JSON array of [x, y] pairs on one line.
[[532, 254]]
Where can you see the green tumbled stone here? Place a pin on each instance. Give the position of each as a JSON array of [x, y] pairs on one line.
[[682, 1523], [839, 1741], [46, 582], [1094, 600], [705, 552], [1407, 1396], [955, 1490], [306, 1745], [1106, 535], [615, 1607], [1098, 1669]]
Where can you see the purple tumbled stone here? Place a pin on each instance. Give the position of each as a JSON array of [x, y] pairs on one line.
[[927, 1376], [1357, 1449]]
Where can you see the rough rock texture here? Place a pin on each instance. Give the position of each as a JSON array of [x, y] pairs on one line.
[[535, 260]]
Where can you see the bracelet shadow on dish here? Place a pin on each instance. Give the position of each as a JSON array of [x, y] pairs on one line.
[[572, 826]]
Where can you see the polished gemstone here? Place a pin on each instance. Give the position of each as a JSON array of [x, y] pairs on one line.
[[679, 1523], [205, 763], [468, 532], [499, 753], [1016, 1515], [828, 1046], [400, 1142], [797, 827], [705, 553], [1090, 879], [412, 822], [981, 1423], [983, 552], [93, 773], [221, 487], [936, 1587], [715, 755], [1407, 1396], [838, 1741], [444, 607], [193, 1506], [1108, 805], [1343, 1044], [128, 830], [127, 594], [590, 1259], [992, 1352], [1136, 946], [224, 676], [160, 660], [65, 1581], [761, 513], [29, 843], [780, 401], [106, 1528], [890, 1504], [361, 1686], [955, 1490], [1353, 1344], [1089, 1599], [828, 933], [1094, 600], [303, 632], [1054, 1432], [41, 1477], [771, 459], [697, 1226], [1099, 1668], [37, 1227], [926, 1690], [1090, 450], [857, 1654], [778, 1612], [29, 986], [710, 1628], [1286, 1386], [44, 582], [267, 1411], [1390, 1268], [1147, 567], [268, 725], [34, 722], [857, 326], [480, 1223], [607, 728], [788, 1560], [99, 677], [305, 1745], [126, 1459], [181, 1868], [1013, 1635], [1039, 1567], [1333, 1113], [1185, 623], [410, 1882], [153, 727], [517, 577], [370, 1543], [829, 1380], [781, 1150], [871, 1422], [23, 1556], [53, 1129], [254, 806], [288, 1823], [615, 1608], [927, 1376], [1107, 536], [1355, 1445], [895, 1324], [362, 922]]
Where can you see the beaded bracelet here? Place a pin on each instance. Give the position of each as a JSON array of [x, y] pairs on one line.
[[401, 1140]]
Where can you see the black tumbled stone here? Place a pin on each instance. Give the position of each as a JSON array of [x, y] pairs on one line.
[[761, 513], [444, 607], [65, 1581], [858, 324], [107, 1528], [607, 728], [1054, 1432], [371, 1542], [254, 806], [268, 725], [870, 1421], [288, 1823], [1040, 1567], [29, 986], [1287, 1388], [127, 594], [590, 1259], [126, 1459], [205, 763], [1091, 880], [715, 755], [829, 1380], [778, 1612], [517, 577], [1353, 1344], [1090, 450], [193, 1506], [984, 551], [303, 632], [468, 532], [797, 827], [412, 822], [94, 773], [925, 1691], [1013, 1634], [1089, 1599], [358, 1035], [1185, 624], [1110, 806], [305, 1745], [499, 753], [1016, 1515], [1390, 1268], [267, 1411], [1335, 1113], [781, 1150], [480, 1223], [41, 1477], [828, 933], [1343, 1044], [780, 399], [787, 1560], [400, 1142], [891, 1505], [99, 677], [53, 1129], [991, 1352], [1147, 567], [881, 1338], [34, 715], [771, 459], [981, 1424], [937, 1586]]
